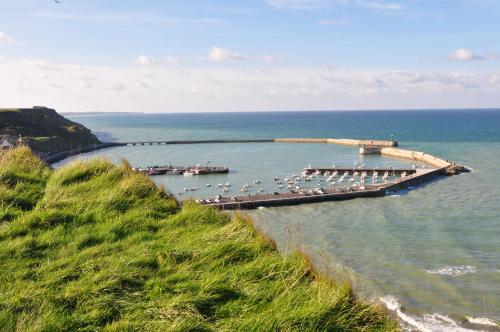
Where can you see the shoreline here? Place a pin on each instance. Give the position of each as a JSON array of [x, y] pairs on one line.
[[56, 157]]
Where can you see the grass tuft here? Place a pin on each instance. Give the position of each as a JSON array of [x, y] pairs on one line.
[[98, 247]]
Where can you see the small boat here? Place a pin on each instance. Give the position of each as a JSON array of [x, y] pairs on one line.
[[153, 171], [208, 185]]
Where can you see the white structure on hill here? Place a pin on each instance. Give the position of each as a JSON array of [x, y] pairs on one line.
[[8, 142]]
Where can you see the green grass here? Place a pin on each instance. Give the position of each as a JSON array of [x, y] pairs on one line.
[[94, 246]]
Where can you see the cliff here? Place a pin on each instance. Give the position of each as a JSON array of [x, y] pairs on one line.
[[45, 131]]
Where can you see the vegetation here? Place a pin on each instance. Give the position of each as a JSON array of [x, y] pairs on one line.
[[45, 131], [93, 246]]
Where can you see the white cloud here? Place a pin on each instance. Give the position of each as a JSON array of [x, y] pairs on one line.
[[145, 60], [465, 55], [218, 54], [6, 39], [381, 5], [270, 58], [299, 4], [321, 4], [334, 21], [173, 60], [176, 89]]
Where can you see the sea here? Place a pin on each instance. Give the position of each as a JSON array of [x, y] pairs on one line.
[[431, 254]]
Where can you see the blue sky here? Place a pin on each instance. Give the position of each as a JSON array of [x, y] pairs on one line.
[[328, 54]]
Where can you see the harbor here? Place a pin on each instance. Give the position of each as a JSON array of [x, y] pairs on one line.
[[312, 184], [341, 183], [336, 192]]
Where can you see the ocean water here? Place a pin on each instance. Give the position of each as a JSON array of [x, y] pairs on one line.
[[431, 254]]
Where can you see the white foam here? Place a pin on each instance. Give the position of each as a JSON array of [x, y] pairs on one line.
[[454, 271], [392, 304], [427, 322], [481, 321], [472, 170]]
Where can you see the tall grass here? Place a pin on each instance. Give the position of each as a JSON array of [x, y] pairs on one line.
[[102, 248]]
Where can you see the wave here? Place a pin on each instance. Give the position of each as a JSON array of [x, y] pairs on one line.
[[481, 321], [472, 170], [430, 322], [454, 271]]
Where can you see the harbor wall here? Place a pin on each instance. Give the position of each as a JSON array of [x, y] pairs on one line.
[[415, 179], [301, 140], [342, 141], [280, 201], [416, 156]]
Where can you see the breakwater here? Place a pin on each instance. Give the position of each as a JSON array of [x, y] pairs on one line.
[[342, 141], [208, 141], [412, 177]]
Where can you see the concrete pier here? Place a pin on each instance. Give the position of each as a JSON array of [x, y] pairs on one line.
[[341, 141], [413, 178], [210, 141]]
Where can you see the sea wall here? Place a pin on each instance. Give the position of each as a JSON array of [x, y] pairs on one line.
[[342, 141], [416, 156], [301, 140]]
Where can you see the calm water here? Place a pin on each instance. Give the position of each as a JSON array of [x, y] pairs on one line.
[[431, 254]]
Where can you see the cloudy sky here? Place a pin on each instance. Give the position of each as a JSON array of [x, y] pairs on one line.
[[260, 55]]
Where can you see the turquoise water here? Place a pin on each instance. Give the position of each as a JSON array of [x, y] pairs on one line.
[[431, 254]]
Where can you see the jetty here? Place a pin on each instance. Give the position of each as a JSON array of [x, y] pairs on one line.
[[412, 177], [208, 141], [182, 170], [342, 141]]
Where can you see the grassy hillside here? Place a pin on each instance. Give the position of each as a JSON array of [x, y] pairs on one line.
[[44, 130], [94, 246]]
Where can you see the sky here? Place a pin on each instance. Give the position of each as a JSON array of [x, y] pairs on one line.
[[261, 55]]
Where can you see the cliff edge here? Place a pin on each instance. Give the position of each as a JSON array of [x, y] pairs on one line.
[[45, 131]]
